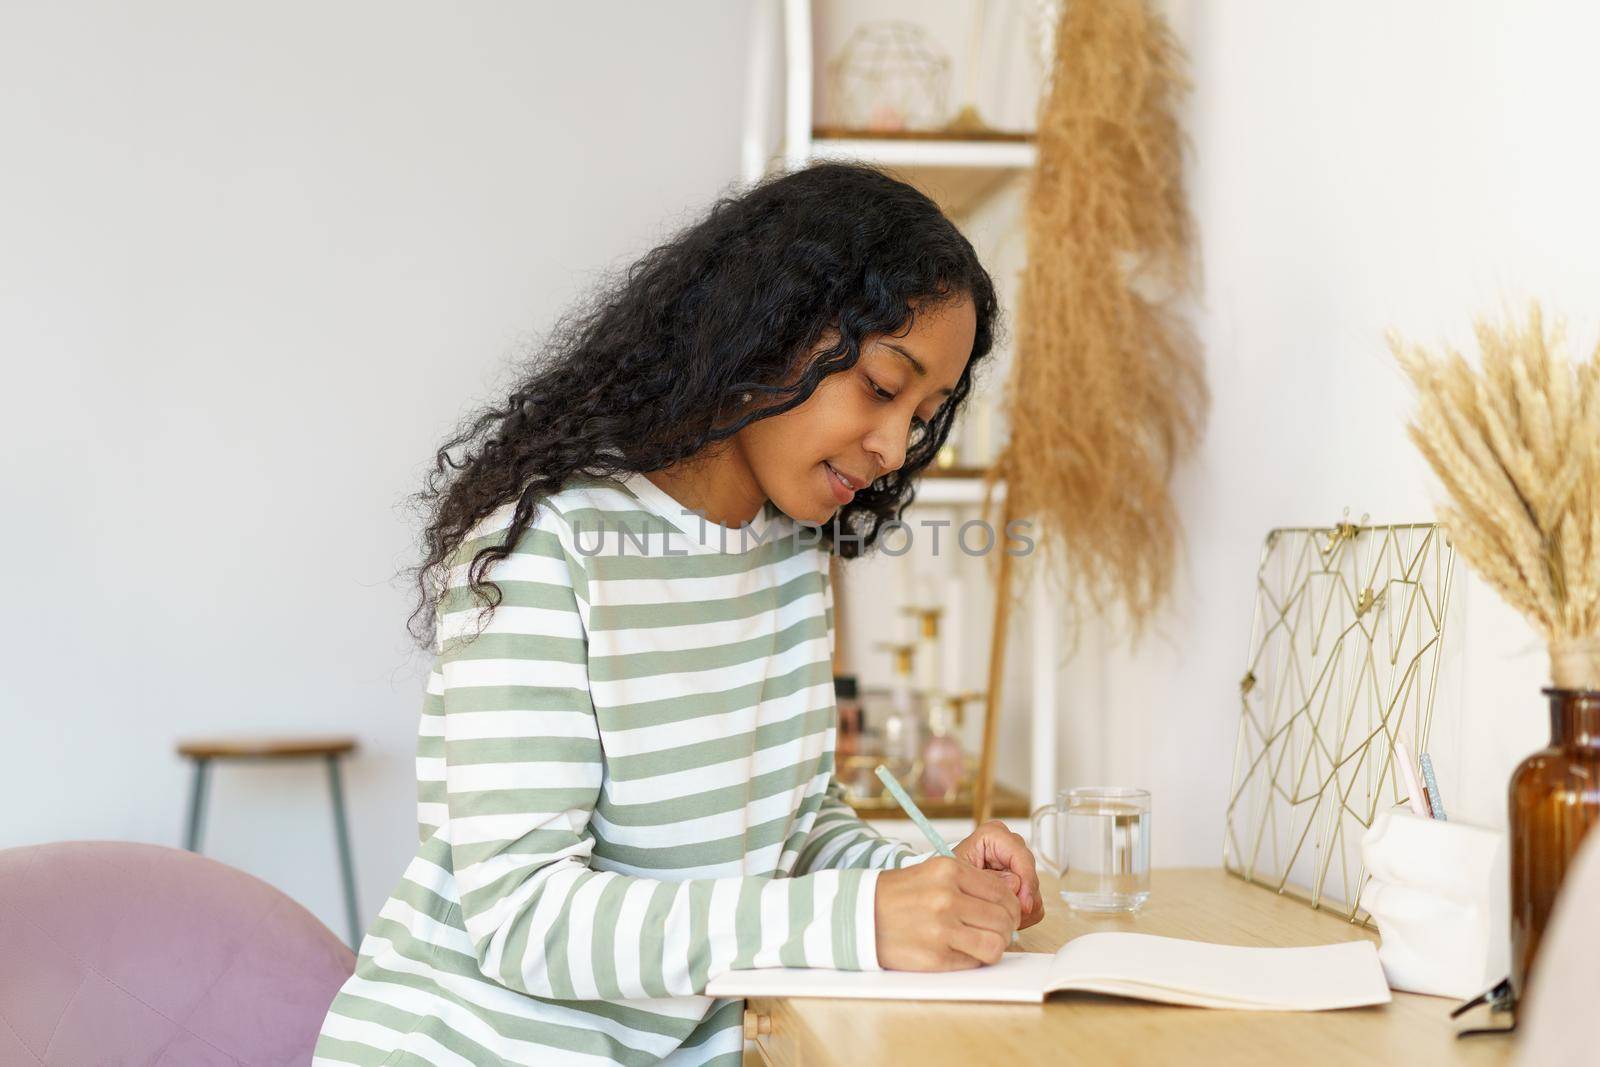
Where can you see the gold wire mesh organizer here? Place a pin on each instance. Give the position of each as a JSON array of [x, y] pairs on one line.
[[1345, 642]]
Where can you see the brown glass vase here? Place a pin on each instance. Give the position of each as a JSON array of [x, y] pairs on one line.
[[1555, 799]]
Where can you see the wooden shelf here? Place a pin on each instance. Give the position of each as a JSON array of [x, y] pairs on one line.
[[953, 472], [844, 133], [958, 489], [1008, 804], [930, 152]]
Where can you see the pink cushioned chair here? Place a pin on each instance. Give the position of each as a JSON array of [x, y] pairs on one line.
[[120, 953]]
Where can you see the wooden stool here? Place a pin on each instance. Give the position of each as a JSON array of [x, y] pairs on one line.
[[330, 749]]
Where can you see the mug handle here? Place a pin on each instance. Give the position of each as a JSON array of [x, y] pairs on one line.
[[1051, 863]]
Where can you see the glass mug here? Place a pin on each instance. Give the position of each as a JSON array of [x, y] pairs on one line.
[[1101, 846]]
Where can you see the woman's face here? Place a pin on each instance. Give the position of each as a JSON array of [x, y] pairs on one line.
[[857, 425]]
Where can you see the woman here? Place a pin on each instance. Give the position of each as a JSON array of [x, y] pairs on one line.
[[625, 760]]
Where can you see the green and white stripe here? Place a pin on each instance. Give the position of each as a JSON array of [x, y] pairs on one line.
[[625, 788]]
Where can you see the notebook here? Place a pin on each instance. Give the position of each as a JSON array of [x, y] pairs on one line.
[[1141, 966]]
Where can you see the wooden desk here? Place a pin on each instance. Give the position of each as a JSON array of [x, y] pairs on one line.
[[1413, 1031]]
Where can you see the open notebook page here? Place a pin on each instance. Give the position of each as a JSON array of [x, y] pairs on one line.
[[1119, 964], [1176, 971]]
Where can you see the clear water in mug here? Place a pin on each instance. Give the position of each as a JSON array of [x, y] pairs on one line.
[[1108, 856]]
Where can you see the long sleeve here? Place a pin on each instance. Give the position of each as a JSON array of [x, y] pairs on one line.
[[523, 767], [839, 838]]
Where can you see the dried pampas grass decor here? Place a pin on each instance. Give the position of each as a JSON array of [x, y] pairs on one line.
[[1106, 390], [1517, 446]]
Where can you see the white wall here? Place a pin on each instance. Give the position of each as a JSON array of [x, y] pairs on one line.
[[1357, 166], [256, 260]]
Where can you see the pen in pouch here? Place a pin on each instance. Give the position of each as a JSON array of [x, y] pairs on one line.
[[1431, 784]]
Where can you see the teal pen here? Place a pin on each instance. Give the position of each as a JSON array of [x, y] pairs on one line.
[[902, 798], [1431, 784]]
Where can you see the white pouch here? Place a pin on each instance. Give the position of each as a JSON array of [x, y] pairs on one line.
[[1439, 896]]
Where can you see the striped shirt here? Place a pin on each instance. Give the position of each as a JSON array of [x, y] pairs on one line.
[[625, 788]]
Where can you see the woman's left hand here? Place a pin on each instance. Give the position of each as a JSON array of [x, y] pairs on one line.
[[994, 847]]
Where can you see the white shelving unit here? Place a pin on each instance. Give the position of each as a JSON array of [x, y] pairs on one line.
[[955, 491], [957, 174], [940, 155]]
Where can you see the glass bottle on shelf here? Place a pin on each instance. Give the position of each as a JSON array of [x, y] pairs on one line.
[[944, 758], [902, 725], [864, 783], [928, 642], [847, 736]]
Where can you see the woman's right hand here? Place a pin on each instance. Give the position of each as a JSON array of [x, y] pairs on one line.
[[943, 915]]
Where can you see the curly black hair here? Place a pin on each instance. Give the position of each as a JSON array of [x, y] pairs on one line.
[[647, 372]]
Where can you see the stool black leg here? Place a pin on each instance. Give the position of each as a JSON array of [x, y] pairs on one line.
[[342, 830], [197, 804]]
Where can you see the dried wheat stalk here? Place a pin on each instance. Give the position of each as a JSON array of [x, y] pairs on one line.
[[1107, 391], [1516, 444]]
